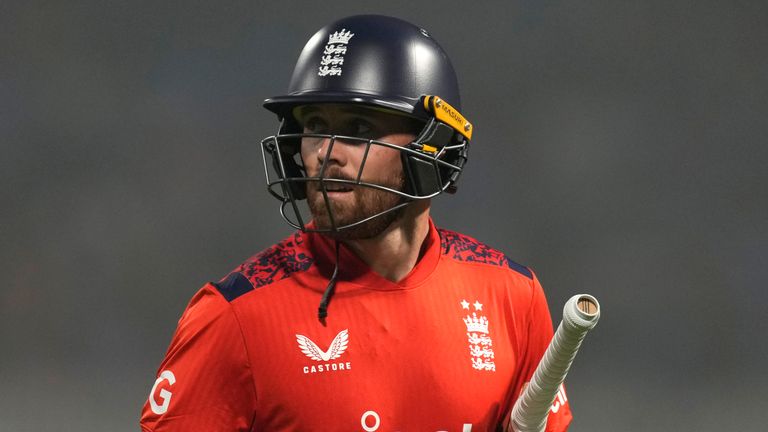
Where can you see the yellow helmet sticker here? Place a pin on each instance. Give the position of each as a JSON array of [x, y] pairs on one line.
[[447, 114], [428, 148]]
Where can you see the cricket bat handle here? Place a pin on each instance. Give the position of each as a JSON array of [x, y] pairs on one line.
[[580, 315]]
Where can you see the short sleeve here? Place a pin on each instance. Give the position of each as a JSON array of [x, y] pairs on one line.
[[540, 333], [205, 382]]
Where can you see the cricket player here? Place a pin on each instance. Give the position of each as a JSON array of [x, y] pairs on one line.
[[369, 317]]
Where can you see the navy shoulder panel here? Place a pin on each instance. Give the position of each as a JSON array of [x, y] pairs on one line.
[[233, 286], [464, 248], [269, 266]]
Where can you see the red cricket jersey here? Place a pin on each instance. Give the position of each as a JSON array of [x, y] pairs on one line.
[[448, 348]]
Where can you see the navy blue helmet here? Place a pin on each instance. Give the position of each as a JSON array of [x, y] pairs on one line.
[[381, 62]]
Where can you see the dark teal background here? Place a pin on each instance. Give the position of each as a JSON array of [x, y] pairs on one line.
[[620, 150]]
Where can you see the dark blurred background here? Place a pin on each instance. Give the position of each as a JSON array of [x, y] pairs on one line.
[[620, 150]]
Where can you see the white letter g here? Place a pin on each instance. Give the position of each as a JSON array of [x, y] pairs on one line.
[[165, 395]]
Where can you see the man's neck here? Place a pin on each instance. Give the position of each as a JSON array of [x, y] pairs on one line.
[[395, 252]]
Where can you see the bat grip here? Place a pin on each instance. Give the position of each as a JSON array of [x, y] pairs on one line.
[[580, 315]]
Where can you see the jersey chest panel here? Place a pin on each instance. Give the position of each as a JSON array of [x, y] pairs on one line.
[[440, 356]]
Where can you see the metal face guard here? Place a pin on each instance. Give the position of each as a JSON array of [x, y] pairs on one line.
[[287, 179]]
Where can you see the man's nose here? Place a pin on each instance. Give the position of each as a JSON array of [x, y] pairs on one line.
[[332, 150]]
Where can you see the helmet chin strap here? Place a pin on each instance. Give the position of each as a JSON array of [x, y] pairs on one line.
[[322, 310]]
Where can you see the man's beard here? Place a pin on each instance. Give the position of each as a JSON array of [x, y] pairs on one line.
[[366, 203]]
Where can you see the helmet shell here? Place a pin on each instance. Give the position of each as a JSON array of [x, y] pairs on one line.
[[370, 59]]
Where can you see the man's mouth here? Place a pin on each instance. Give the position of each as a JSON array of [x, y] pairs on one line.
[[337, 187]]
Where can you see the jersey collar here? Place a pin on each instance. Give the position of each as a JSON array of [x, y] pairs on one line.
[[354, 271]]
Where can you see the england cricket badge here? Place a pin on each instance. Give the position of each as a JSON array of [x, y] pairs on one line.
[[333, 55], [478, 336]]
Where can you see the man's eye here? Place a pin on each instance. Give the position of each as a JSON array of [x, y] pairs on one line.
[[315, 125], [360, 128]]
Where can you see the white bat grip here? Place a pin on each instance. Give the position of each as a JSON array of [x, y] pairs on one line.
[[530, 412]]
